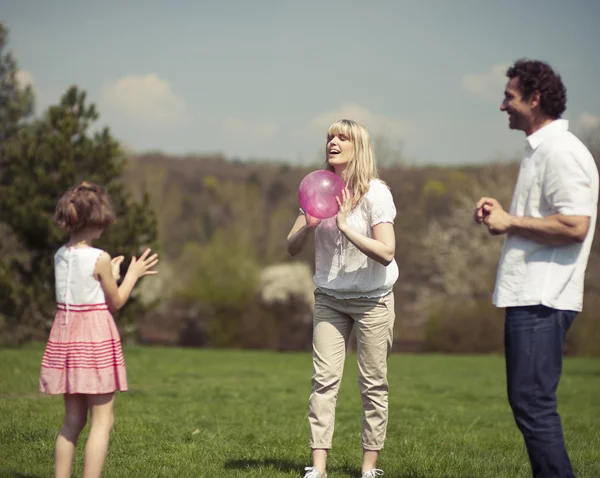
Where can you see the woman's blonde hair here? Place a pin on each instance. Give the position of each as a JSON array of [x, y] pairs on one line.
[[362, 168]]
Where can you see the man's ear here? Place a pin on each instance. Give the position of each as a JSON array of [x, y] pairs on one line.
[[535, 99]]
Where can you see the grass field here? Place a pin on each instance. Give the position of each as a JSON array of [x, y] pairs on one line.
[[209, 413]]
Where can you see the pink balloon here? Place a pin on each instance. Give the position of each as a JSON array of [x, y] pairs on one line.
[[317, 193]]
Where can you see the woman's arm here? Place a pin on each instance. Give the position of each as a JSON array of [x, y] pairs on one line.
[[301, 231], [381, 247]]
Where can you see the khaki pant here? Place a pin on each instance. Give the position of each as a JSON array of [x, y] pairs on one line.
[[332, 323]]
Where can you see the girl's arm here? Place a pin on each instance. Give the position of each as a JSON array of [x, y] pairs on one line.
[[117, 296], [298, 236]]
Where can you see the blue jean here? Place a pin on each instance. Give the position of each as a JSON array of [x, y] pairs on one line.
[[534, 337]]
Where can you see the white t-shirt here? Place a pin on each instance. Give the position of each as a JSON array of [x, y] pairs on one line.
[[343, 271], [558, 175]]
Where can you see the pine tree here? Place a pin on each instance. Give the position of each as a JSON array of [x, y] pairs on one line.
[[39, 160], [16, 103]]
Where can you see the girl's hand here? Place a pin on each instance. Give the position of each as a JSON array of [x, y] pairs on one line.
[[116, 266], [344, 205], [311, 221], [142, 267]]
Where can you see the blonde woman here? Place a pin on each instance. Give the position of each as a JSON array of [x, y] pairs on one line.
[[355, 272]]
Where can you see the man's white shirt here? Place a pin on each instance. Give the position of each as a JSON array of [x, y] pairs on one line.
[[558, 175]]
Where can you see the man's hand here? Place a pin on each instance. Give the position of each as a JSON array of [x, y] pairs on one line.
[[497, 220], [480, 212], [490, 212]]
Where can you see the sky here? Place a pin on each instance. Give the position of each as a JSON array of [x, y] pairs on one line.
[[263, 79]]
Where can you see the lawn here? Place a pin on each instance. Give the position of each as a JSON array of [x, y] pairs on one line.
[[215, 413]]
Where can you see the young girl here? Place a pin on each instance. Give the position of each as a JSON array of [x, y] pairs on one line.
[[83, 359], [355, 272]]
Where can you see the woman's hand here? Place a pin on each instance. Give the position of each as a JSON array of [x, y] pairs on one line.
[[344, 205], [312, 222]]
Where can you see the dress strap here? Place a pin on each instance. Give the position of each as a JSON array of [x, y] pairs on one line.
[[68, 297]]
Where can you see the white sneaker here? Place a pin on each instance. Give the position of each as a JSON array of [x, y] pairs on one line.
[[374, 473], [312, 473]]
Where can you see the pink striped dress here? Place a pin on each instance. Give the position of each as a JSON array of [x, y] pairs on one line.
[[83, 354]]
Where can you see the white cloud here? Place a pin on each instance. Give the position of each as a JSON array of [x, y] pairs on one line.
[[588, 121], [489, 85], [376, 124], [250, 129], [24, 78], [147, 100]]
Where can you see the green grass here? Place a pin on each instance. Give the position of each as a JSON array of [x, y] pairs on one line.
[[243, 414]]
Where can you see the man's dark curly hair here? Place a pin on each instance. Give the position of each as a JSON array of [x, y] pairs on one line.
[[539, 76]]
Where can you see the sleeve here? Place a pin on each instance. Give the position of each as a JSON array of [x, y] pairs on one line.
[[568, 184], [382, 204]]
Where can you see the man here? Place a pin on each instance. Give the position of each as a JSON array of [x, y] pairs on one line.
[[549, 230]]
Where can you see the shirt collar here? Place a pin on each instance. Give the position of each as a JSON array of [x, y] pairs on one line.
[[535, 139]]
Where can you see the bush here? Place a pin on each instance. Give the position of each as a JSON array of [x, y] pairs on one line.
[[584, 336], [456, 328], [222, 277]]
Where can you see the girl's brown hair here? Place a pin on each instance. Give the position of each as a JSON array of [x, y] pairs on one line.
[[84, 205]]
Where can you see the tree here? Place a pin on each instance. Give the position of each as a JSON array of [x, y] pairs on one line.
[[460, 256], [458, 262], [223, 275], [16, 103], [39, 160]]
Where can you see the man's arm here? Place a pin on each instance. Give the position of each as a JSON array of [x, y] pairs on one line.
[[554, 230], [567, 188]]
